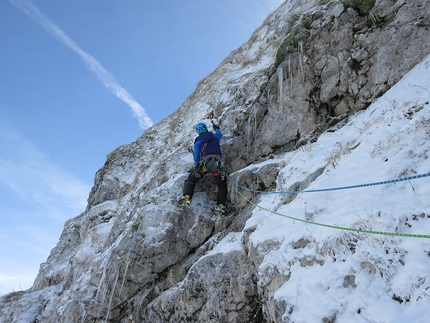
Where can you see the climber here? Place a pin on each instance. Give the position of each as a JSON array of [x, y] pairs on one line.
[[208, 159]]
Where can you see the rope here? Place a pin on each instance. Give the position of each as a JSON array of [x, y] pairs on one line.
[[334, 188], [393, 234]]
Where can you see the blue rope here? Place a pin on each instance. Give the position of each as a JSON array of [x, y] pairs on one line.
[[394, 234], [333, 188]]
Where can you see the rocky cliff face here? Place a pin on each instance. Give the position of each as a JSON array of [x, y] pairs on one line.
[[133, 256]]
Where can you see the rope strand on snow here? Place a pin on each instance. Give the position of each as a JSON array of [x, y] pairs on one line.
[[394, 234], [333, 188]]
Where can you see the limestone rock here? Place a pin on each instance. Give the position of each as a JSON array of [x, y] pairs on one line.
[[133, 256]]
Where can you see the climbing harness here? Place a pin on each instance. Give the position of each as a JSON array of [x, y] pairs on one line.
[[211, 164], [394, 234]]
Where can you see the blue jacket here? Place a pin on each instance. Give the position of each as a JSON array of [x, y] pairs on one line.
[[212, 148]]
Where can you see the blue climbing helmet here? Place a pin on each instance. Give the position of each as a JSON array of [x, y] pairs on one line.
[[201, 128]]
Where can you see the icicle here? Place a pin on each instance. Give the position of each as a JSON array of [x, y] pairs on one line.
[[127, 261], [255, 119], [139, 301], [84, 314], [301, 59], [125, 272], [373, 18], [280, 74], [103, 278], [248, 138], [255, 124], [233, 193], [111, 295], [290, 72]]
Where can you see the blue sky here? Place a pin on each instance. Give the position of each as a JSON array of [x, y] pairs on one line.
[[80, 78]]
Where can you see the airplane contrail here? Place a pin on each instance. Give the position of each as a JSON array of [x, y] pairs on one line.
[[102, 74]]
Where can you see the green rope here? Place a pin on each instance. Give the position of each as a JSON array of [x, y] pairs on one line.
[[393, 234]]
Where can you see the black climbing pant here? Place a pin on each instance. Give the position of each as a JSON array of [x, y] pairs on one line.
[[220, 180]]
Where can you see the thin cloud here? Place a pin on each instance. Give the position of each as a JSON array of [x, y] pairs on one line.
[[102, 74], [21, 279], [27, 172], [46, 196]]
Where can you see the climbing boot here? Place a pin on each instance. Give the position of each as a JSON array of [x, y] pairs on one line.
[[184, 201], [220, 210]]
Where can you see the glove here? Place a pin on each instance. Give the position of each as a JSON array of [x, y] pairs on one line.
[[215, 126]]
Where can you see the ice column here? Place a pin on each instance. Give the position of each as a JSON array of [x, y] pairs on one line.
[[280, 74]]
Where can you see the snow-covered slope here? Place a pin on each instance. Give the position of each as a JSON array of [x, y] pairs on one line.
[[313, 272]]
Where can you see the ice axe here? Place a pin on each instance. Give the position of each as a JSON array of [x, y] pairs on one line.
[[211, 116]]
